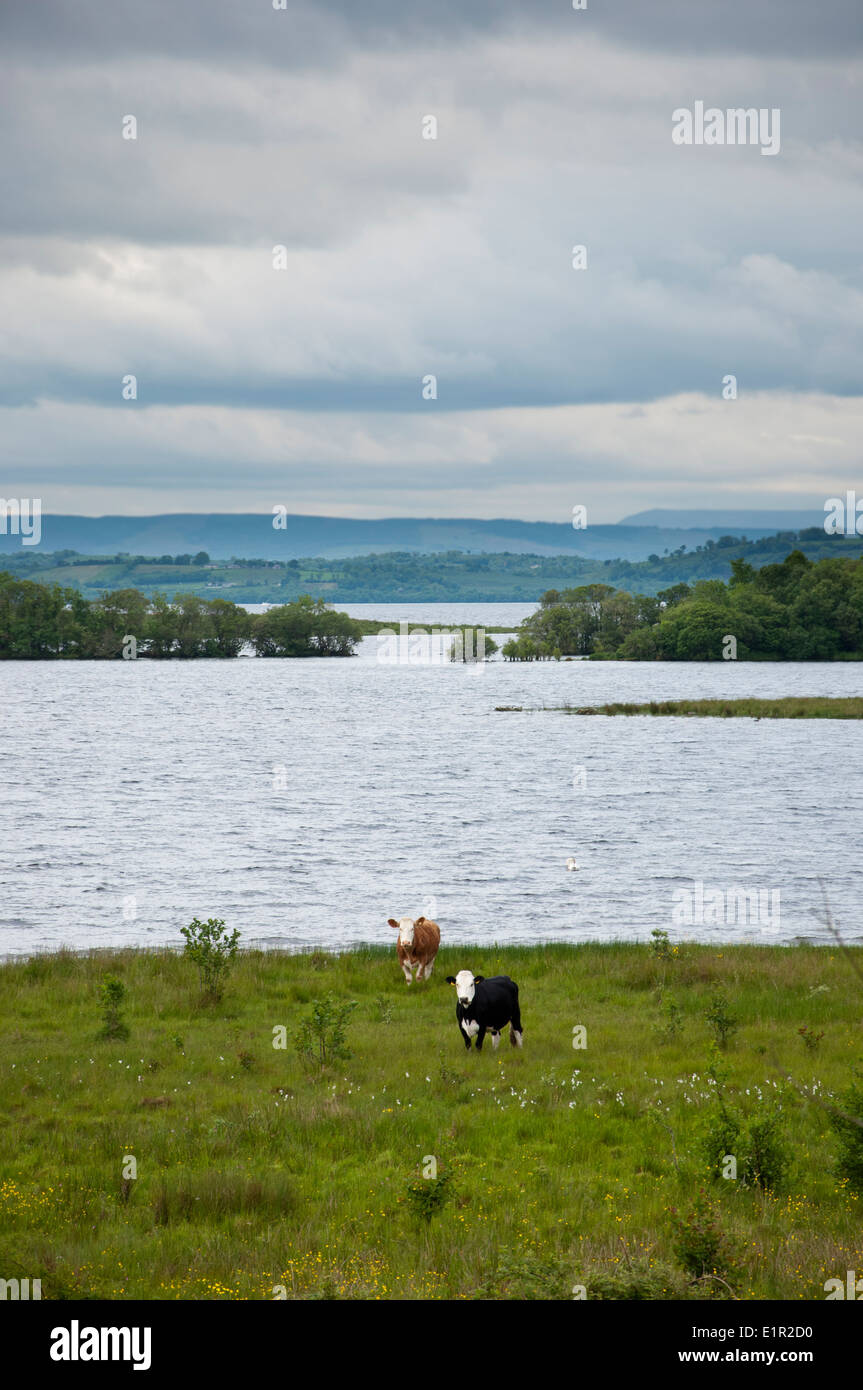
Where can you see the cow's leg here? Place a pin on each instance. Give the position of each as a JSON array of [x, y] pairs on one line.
[[466, 1040], [495, 1039], [515, 1029], [479, 1037], [429, 968], [407, 970]]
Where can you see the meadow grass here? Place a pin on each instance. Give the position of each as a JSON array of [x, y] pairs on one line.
[[564, 1166]]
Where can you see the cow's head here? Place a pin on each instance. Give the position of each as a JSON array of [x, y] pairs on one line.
[[405, 928], [465, 985]]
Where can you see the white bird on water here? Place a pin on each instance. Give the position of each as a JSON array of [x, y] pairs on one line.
[[570, 863]]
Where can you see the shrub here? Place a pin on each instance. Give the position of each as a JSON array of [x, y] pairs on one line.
[[766, 1157], [757, 1143], [638, 1282], [811, 1039], [522, 1276], [674, 1019], [210, 947], [426, 1196], [385, 1009], [322, 1037], [661, 945], [468, 645], [700, 1245], [848, 1128], [112, 994], [723, 1022]]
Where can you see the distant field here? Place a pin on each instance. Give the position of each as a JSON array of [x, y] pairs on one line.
[[556, 1166], [411, 577], [793, 707]]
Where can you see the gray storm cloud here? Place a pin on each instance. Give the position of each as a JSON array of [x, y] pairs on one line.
[[406, 257]]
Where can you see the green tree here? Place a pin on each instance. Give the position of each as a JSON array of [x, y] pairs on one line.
[[304, 628], [212, 949]]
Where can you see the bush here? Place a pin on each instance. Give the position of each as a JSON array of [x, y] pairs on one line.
[[661, 945], [322, 1037], [674, 1019], [112, 994], [384, 1008], [811, 1039], [467, 643], [212, 950], [638, 1282], [700, 1245], [757, 1143], [848, 1128], [426, 1196], [765, 1156], [522, 1276], [723, 1022]]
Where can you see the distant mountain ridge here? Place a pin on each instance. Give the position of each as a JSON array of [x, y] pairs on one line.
[[252, 536], [749, 519]]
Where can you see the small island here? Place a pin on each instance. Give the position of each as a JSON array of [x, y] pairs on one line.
[[790, 707], [798, 610]]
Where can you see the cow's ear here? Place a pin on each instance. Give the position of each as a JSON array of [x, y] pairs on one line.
[[391, 922], [450, 979], [419, 921], [478, 979]]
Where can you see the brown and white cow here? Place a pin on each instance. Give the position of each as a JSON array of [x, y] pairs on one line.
[[417, 945]]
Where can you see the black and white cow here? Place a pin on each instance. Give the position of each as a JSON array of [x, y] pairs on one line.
[[485, 1006]]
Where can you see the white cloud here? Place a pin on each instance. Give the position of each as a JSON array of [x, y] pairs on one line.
[[408, 257], [767, 449]]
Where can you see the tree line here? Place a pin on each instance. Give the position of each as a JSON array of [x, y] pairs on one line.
[[40, 621], [795, 610]]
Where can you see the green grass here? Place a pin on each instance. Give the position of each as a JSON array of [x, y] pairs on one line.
[[791, 707], [564, 1165]]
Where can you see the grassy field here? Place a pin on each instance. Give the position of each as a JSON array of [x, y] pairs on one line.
[[791, 707], [556, 1166]]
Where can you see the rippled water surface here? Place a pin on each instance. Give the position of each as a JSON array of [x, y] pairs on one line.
[[307, 801]]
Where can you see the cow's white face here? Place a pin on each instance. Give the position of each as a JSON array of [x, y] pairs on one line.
[[406, 931], [465, 986]]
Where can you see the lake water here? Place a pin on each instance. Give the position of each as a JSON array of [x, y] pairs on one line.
[[307, 801]]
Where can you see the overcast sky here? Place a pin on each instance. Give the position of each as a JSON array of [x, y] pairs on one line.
[[407, 257]]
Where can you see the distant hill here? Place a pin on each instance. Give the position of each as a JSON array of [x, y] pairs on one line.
[[254, 537], [750, 521], [405, 576]]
